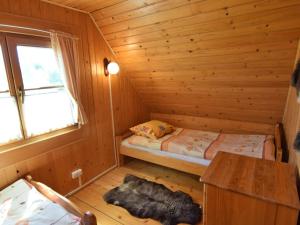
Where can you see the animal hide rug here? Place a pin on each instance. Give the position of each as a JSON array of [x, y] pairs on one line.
[[146, 199]]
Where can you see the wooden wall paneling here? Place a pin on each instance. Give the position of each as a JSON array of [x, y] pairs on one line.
[[175, 61], [230, 38], [291, 120], [35, 10], [212, 124], [173, 35], [126, 117], [97, 80], [197, 40], [117, 13], [112, 13], [103, 109], [286, 216], [28, 150], [5, 5], [53, 12], [10, 174], [42, 169], [193, 27], [198, 99], [205, 41], [37, 166], [62, 173], [3, 180], [17, 8], [105, 153], [200, 9], [88, 162], [259, 50], [214, 75], [88, 5], [187, 65], [90, 148], [90, 165], [219, 112]]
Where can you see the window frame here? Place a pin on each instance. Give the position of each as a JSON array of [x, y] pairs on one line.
[[9, 43], [9, 74], [13, 40]]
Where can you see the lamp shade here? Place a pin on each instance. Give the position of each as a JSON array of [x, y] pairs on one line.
[[113, 68]]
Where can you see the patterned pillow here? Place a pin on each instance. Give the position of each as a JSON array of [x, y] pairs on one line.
[[153, 129]]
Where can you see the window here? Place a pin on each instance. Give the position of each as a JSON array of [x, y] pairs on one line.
[[33, 98], [10, 129]]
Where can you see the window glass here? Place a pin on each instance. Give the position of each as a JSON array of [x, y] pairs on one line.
[[10, 129], [47, 105], [47, 110], [38, 67]]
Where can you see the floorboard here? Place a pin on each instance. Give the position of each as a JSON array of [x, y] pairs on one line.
[[90, 198]]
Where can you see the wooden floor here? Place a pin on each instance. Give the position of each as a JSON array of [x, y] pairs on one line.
[[90, 198]]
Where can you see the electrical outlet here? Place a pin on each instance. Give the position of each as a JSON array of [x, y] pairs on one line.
[[76, 173]]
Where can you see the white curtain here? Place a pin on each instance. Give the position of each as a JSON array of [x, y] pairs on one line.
[[66, 52], [10, 129]]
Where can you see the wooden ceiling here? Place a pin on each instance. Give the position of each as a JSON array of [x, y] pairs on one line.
[[227, 59]]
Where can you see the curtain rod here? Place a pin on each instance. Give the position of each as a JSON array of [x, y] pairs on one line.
[[39, 30]]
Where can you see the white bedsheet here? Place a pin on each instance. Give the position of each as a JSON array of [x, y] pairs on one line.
[[199, 161], [21, 204]]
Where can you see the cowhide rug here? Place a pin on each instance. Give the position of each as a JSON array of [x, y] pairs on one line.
[[146, 199]]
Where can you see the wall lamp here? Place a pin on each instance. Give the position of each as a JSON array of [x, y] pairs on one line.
[[110, 67]]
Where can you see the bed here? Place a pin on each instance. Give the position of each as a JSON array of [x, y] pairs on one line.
[[179, 150], [32, 203]]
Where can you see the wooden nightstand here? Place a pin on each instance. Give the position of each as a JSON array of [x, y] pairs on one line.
[[240, 190]]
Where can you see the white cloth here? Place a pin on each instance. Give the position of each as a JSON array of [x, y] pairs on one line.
[[21, 204]]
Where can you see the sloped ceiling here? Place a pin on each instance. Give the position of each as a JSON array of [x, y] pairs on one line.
[[217, 58]]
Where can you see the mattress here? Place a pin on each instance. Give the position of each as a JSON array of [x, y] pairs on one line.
[[201, 146], [191, 159]]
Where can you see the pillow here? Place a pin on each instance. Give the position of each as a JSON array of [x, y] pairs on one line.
[[153, 129]]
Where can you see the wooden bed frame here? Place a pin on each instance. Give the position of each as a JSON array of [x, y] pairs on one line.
[[88, 218], [181, 165]]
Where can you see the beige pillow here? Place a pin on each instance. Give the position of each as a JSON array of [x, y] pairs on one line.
[[153, 129]]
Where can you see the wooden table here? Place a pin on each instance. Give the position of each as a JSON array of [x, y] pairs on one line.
[[240, 190]]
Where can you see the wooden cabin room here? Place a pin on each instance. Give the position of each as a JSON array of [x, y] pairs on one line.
[[132, 112]]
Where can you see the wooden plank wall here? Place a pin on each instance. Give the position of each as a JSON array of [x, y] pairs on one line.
[[213, 124], [291, 120], [209, 58], [129, 110], [90, 148]]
